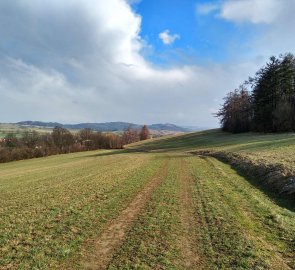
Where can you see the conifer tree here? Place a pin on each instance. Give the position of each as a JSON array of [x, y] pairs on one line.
[[271, 105]]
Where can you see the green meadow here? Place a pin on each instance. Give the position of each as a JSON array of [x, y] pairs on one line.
[[153, 205]]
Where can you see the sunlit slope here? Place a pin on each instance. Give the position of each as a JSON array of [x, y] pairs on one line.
[[277, 148], [218, 139]]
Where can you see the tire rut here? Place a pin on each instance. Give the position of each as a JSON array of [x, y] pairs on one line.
[[192, 259], [116, 230]]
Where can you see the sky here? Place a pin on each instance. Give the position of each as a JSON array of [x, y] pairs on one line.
[[148, 61]]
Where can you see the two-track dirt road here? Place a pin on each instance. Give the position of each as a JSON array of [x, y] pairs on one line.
[[205, 215]]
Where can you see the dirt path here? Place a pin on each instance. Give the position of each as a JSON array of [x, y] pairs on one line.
[[112, 237], [192, 260]]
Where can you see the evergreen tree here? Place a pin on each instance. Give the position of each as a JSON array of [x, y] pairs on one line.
[[266, 95], [270, 107], [285, 112]]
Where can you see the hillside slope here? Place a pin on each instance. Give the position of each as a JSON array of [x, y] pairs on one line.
[[268, 157], [152, 206]]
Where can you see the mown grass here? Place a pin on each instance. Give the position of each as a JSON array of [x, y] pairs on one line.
[[276, 149], [218, 139], [50, 206], [239, 226]]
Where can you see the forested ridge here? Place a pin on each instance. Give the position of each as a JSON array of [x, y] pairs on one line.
[[265, 102]]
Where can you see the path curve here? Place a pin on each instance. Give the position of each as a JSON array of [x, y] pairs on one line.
[[112, 237]]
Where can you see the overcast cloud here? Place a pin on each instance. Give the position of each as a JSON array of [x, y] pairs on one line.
[[80, 61]]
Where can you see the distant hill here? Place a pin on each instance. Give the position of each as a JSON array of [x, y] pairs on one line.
[[199, 128], [108, 126]]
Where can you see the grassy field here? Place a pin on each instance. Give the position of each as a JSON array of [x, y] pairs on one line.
[[154, 206], [17, 129], [267, 148]]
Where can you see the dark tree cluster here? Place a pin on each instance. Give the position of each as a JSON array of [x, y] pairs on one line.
[[31, 144], [269, 106]]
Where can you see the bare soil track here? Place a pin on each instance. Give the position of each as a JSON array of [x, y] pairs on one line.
[[112, 237], [192, 260], [220, 226]]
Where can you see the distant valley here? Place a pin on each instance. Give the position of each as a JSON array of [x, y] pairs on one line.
[[111, 126]]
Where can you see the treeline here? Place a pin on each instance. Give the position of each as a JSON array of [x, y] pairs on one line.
[[269, 105], [31, 144]]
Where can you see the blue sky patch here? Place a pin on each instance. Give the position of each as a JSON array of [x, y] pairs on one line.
[[203, 37]]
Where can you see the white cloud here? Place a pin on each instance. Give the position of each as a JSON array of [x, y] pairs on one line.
[[276, 16], [273, 21], [80, 60], [168, 38], [254, 11], [207, 8]]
